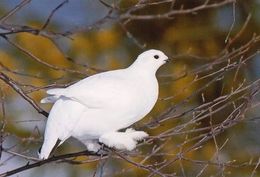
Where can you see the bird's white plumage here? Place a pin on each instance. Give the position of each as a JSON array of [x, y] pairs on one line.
[[122, 140], [95, 108]]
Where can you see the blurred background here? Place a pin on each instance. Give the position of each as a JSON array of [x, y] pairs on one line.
[[206, 121]]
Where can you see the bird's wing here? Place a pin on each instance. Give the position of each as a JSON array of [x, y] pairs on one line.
[[94, 92], [62, 121]]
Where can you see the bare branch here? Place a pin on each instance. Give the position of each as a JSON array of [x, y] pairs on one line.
[[52, 13], [15, 87], [51, 159], [14, 10]]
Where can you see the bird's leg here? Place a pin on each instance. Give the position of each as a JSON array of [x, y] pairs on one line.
[[118, 140], [92, 145], [123, 140], [102, 149], [136, 135]]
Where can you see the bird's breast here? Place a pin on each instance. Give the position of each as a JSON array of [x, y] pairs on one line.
[[132, 104]]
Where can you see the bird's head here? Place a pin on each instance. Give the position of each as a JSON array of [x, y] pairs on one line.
[[151, 59]]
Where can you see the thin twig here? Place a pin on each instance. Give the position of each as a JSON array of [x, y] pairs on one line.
[[52, 13], [14, 10], [16, 88], [51, 159]]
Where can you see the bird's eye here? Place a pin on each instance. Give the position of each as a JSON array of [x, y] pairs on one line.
[[156, 56]]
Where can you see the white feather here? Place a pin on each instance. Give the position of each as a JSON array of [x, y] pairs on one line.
[[96, 107], [123, 140]]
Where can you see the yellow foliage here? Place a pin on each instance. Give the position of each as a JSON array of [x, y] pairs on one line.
[[92, 45], [7, 60], [191, 33], [10, 63], [186, 36], [208, 151], [83, 46], [42, 48], [107, 39], [211, 47], [39, 94], [35, 24], [113, 63], [187, 47], [5, 88], [182, 88]]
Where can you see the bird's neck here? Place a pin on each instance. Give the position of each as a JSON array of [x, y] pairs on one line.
[[142, 70]]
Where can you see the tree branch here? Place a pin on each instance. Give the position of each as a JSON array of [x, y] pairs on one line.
[[16, 88], [59, 158]]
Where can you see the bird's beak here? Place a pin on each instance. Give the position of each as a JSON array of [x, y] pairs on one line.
[[167, 60]]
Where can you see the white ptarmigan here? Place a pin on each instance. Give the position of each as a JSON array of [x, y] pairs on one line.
[[95, 108]]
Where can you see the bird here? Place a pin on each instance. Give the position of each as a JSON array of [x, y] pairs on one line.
[[94, 109]]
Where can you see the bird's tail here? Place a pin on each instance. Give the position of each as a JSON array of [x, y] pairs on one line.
[[50, 99], [49, 145]]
